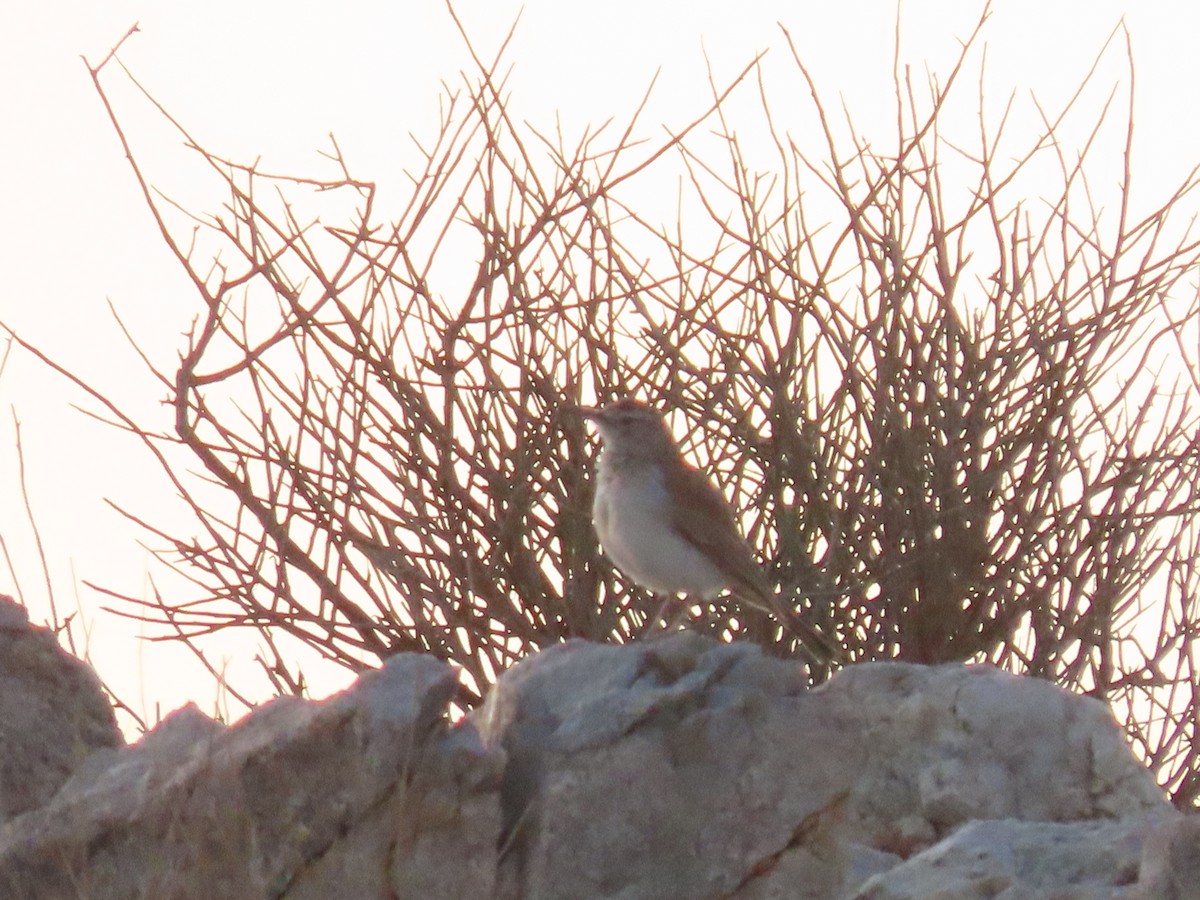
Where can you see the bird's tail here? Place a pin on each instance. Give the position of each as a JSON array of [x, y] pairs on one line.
[[818, 647]]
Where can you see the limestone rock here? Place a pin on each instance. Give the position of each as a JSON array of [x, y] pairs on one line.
[[1011, 860], [1171, 860], [368, 794], [686, 768], [678, 768], [53, 713]]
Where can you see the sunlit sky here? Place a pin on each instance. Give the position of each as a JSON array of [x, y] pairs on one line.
[[271, 80]]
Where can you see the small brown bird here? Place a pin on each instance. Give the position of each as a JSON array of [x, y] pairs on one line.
[[667, 527]]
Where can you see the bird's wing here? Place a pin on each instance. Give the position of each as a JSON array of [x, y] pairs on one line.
[[705, 520]]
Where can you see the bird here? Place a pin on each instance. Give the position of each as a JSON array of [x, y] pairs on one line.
[[668, 527]]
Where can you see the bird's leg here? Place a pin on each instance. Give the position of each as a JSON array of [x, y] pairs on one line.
[[660, 617], [685, 610]]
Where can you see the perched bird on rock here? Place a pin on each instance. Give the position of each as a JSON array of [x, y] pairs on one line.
[[668, 527]]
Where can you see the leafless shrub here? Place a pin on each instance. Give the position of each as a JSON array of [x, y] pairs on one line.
[[962, 425]]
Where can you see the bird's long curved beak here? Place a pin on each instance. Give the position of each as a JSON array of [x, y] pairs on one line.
[[587, 412]]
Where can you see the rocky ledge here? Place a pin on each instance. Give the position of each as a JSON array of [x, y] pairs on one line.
[[679, 768]]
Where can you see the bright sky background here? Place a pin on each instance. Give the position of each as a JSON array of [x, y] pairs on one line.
[[271, 80]]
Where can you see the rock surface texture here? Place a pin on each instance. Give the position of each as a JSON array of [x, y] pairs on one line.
[[53, 713], [693, 769], [369, 794], [678, 768]]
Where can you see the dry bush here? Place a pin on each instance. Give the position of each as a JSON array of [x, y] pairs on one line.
[[961, 424]]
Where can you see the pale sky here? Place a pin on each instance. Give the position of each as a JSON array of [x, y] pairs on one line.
[[271, 80]]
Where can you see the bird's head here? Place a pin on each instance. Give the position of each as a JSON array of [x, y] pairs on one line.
[[628, 426]]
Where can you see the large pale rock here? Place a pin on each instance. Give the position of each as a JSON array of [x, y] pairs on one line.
[[1007, 859], [681, 768], [370, 794], [1170, 867], [685, 768], [53, 713]]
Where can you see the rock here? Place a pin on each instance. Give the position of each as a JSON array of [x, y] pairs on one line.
[[1171, 860], [53, 713], [676, 768], [686, 768], [364, 795], [1009, 859]]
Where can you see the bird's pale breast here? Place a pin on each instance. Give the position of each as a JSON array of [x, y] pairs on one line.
[[633, 523]]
